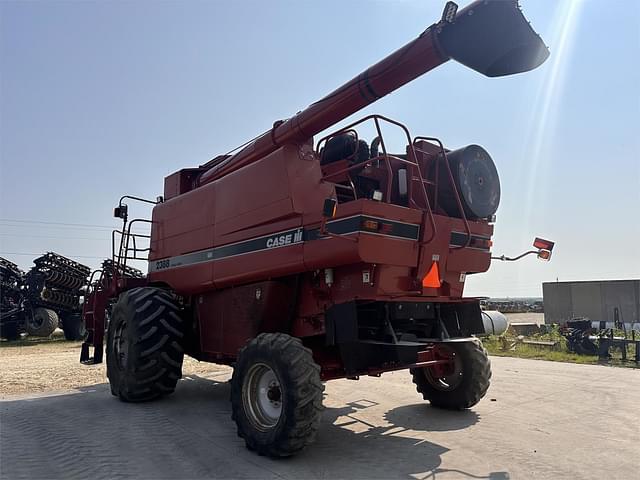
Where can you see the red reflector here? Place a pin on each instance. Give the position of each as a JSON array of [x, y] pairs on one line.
[[542, 244], [432, 279], [386, 228]]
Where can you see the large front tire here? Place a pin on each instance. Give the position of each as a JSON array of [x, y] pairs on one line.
[[144, 345], [276, 395], [461, 385]]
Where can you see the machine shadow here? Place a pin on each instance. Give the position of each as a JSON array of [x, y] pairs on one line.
[[366, 450], [358, 449], [426, 418], [190, 435]]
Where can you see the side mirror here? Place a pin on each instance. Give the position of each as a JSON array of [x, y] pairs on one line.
[[542, 244], [543, 252], [329, 208], [120, 211]]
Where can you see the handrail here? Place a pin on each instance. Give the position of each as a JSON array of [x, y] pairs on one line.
[[139, 199], [349, 127], [412, 163], [120, 260], [128, 243], [387, 163], [453, 184], [386, 157], [89, 289]]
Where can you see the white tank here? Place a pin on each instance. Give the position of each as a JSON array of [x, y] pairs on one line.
[[495, 323]]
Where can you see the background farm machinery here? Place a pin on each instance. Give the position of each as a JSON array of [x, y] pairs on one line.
[[11, 279], [44, 298], [586, 337], [580, 337]]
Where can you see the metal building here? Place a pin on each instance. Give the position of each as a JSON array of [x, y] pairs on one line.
[[595, 300]]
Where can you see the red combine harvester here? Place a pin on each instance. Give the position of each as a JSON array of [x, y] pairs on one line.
[[299, 263]]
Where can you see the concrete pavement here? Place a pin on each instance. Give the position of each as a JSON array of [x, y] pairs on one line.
[[539, 420]]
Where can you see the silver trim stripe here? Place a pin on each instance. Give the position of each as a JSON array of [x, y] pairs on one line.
[[287, 238], [266, 242]]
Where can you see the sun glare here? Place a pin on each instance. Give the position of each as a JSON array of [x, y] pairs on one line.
[[545, 113]]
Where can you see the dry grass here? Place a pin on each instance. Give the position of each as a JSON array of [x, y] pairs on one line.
[[495, 346]]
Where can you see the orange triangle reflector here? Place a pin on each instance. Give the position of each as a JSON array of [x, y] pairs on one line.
[[432, 279]]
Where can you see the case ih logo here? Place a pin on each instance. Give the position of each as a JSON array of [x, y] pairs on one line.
[[285, 239]]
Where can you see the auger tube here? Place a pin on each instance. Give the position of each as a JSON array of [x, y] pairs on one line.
[[490, 36]]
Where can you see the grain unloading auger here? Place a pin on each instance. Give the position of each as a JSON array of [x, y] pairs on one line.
[[299, 263], [490, 37]]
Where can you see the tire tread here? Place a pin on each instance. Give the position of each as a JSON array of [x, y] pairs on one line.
[[477, 373], [300, 428], [155, 351]]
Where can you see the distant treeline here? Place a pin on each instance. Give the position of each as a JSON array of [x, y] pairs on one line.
[[513, 305]]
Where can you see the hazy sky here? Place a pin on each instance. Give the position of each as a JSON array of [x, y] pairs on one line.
[[100, 99]]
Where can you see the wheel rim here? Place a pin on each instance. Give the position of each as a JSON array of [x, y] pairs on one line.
[[262, 397], [452, 374], [121, 345]]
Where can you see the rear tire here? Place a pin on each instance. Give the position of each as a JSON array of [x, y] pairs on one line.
[[144, 345], [467, 383], [42, 323], [276, 395]]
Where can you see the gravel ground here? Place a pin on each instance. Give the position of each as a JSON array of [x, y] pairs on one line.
[[54, 366], [526, 317]]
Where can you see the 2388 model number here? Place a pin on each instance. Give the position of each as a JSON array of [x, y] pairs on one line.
[[160, 264]]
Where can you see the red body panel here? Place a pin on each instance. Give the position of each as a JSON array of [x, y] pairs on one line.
[[238, 313], [286, 196]]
